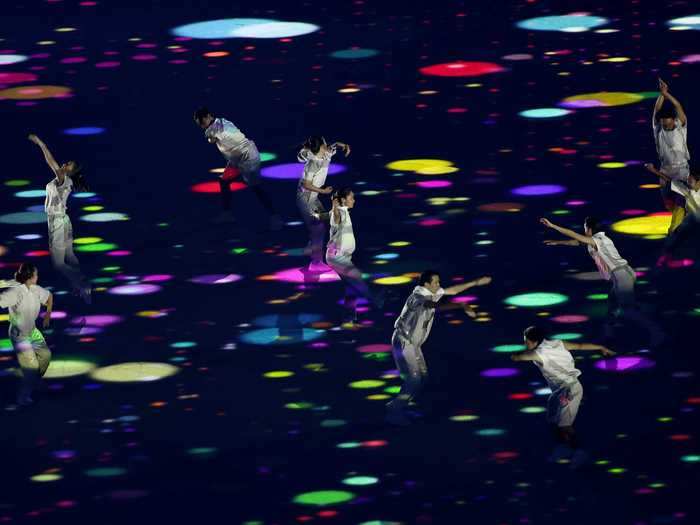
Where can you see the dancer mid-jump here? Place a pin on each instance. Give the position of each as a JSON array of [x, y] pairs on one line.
[[68, 176]]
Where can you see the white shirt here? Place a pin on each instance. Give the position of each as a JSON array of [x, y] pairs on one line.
[[56, 202], [672, 146], [692, 197], [24, 304], [315, 168], [557, 364], [605, 255], [225, 135], [342, 238], [416, 319]]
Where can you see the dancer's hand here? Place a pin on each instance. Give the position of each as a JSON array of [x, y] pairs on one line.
[[346, 149], [550, 242], [47, 321], [483, 281], [650, 167], [606, 352], [33, 138], [469, 311], [663, 87], [547, 223], [327, 190]]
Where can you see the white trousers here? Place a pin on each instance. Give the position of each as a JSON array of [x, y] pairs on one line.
[[411, 364], [61, 248], [563, 404]]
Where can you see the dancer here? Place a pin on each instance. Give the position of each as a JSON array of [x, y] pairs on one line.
[[556, 363], [242, 157], [671, 135], [691, 193], [24, 299], [339, 252], [68, 176], [612, 267], [316, 156], [411, 330]]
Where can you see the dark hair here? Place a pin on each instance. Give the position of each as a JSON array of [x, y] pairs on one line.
[[666, 111], [76, 175], [201, 113], [534, 334], [694, 173], [427, 276], [314, 143], [593, 224], [341, 194], [25, 272]]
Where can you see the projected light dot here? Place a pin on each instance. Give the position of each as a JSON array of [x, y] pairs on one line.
[[612, 165], [567, 336], [538, 189], [565, 23], [46, 478], [518, 56], [34, 92], [277, 337], [431, 184], [532, 410], [294, 171], [499, 372], [544, 113], [244, 28], [98, 320], [508, 348], [105, 472], [215, 187], [490, 432], [690, 22], [104, 217], [360, 481], [278, 374], [393, 281], [25, 217], [624, 364], [290, 321], [87, 130], [570, 319], [690, 59], [501, 207], [367, 383], [461, 69], [601, 99], [323, 497], [86, 240], [303, 275], [464, 417], [134, 372], [203, 452], [371, 349], [96, 247], [28, 194], [16, 78], [299, 405], [275, 30], [17, 182], [216, 279], [536, 299], [423, 166], [656, 224], [183, 344], [11, 59], [354, 53], [399, 244], [387, 256], [691, 458], [61, 368], [134, 289]]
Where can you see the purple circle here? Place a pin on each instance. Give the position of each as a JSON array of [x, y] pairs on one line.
[[295, 170], [97, 320], [157, 278], [624, 364], [218, 278], [500, 372], [538, 189], [135, 289]]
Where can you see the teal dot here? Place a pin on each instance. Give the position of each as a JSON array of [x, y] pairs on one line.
[[333, 423], [536, 299], [360, 480], [567, 336], [266, 155], [508, 348], [693, 458], [532, 410], [105, 472], [490, 432], [348, 444], [183, 344]]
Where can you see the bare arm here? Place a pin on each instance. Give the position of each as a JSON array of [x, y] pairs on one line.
[[308, 186], [569, 233], [49, 309], [588, 347], [679, 109], [459, 288], [571, 242], [658, 173], [343, 146], [48, 156], [527, 355], [336, 211]]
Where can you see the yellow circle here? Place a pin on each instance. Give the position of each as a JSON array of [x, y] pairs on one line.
[[607, 98], [34, 92], [647, 225], [612, 165], [87, 240], [68, 368], [399, 244], [133, 372], [423, 166], [391, 281]]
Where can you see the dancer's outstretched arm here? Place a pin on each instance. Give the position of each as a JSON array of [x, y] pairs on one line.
[[569, 233], [589, 347], [48, 156]]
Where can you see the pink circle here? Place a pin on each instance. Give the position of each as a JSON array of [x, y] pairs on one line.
[[73, 60], [303, 275], [434, 184], [570, 319], [119, 253], [107, 64], [464, 299], [144, 57], [374, 349], [431, 222], [16, 78], [461, 69]]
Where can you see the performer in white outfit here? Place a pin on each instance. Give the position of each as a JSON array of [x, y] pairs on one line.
[[556, 363], [68, 176], [411, 330], [670, 127], [242, 157], [611, 267], [24, 298], [316, 156]]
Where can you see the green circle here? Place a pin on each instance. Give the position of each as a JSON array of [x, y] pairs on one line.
[[392, 389], [691, 458], [360, 480], [348, 444], [300, 405], [323, 497], [532, 410], [597, 297], [16, 183], [464, 417], [367, 383], [536, 299], [97, 247], [266, 155], [105, 472], [567, 336], [508, 348]]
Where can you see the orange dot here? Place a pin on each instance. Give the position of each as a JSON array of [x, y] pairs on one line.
[[216, 54]]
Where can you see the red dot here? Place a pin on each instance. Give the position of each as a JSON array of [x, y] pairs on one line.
[[213, 187], [461, 69], [327, 513]]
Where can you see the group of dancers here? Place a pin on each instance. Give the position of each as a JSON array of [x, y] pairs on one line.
[[680, 188]]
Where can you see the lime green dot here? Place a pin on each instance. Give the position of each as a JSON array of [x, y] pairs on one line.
[[617, 470], [602, 462], [111, 269], [93, 207], [392, 389], [239, 251], [97, 247], [87, 240], [532, 410], [16, 183], [323, 497], [597, 297], [665, 419], [302, 405], [464, 417], [367, 383], [277, 374], [45, 478], [561, 212]]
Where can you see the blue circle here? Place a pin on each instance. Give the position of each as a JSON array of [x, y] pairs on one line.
[[84, 194], [350, 54], [104, 217], [244, 28], [566, 23], [28, 237], [11, 59], [273, 336], [30, 194], [24, 217], [286, 321], [387, 256], [84, 131], [544, 113]]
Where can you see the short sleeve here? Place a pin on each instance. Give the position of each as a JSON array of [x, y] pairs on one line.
[[43, 294], [679, 187], [9, 297]]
